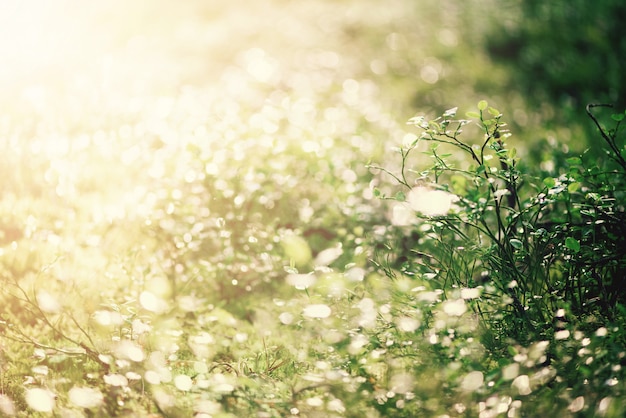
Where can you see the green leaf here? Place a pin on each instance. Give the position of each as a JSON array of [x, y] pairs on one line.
[[494, 112], [377, 192], [434, 125], [549, 182], [515, 243], [618, 117], [573, 187], [482, 105], [458, 183], [473, 115], [400, 197], [576, 161], [572, 244]]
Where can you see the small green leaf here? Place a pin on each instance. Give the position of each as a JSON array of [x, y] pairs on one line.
[[618, 117], [377, 192], [434, 125], [400, 197], [473, 115], [572, 244], [576, 161], [573, 187], [482, 105], [549, 182], [515, 243], [494, 112]]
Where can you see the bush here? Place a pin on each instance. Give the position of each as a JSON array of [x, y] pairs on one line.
[[539, 260]]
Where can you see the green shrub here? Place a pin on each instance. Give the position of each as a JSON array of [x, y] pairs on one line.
[[543, 258]]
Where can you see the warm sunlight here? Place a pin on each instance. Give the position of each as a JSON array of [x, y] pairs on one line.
[[41, 41], [217, 208]]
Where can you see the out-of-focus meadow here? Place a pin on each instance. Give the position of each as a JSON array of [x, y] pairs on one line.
[[191, 221]]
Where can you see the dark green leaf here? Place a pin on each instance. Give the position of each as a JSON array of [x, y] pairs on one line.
[[572, 244]]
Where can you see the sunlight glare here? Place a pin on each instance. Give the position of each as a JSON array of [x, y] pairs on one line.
[[431, 202], [183, 382], [44, 40], [40, 400], [317, 311], [86, 397]]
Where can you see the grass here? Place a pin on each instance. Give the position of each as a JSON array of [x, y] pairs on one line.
[[247, 236]]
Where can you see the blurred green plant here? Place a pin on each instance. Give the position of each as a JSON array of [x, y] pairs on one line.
[[563, 51]]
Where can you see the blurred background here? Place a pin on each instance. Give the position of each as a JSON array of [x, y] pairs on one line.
[[540, 63], [105, 103], [170, 167]]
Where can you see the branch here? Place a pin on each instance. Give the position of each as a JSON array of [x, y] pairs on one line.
[[609, 139]]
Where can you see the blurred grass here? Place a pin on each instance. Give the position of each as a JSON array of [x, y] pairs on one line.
[[113, 119], [129, 130], [162, 141]]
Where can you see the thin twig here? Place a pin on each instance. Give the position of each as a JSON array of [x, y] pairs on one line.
[[610, 140]]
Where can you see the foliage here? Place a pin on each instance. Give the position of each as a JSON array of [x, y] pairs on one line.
[[539, 258], [563, 50], [484, 308], [206, 239]]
